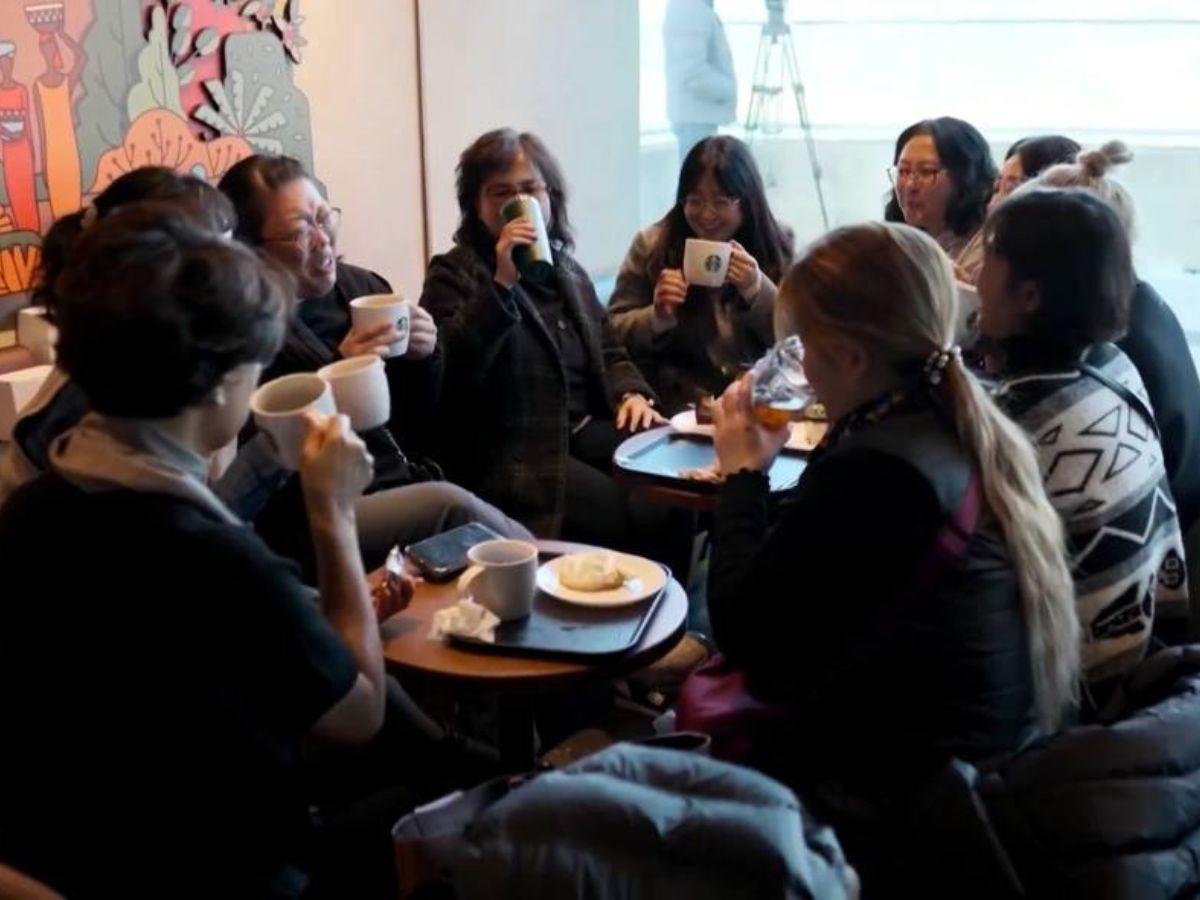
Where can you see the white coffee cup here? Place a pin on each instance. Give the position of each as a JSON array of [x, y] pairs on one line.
[[360, 390], [705, 262], [375, 310], [502, 577], [280, 409]]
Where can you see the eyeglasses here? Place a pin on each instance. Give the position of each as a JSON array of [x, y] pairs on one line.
[[720, 205], [327, 220], [923, 176], [502, 193]]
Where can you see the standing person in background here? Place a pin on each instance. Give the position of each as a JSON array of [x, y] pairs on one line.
[[60, 149], [701, 85]]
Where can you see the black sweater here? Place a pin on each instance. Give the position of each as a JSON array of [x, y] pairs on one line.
[[159, 669]]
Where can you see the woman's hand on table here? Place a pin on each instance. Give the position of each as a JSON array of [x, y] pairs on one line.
[[742, 442], [422, 333], [517, 233], [636, 414], [361, 342], [743, 272], [391, 592]]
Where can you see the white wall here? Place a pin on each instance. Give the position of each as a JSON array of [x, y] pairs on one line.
[[564, 69], [360, 76]]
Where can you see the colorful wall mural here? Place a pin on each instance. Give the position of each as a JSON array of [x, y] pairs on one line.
[[90, 89]]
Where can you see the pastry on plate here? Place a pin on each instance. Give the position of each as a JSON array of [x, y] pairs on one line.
[[596, 571], [704, 408]]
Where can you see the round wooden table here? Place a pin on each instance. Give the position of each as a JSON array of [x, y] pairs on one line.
[[408, 651]]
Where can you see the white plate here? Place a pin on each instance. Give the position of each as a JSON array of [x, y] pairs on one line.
[[805, 435], [645, 579]]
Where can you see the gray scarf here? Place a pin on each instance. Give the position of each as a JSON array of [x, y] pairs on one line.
[[106, 454]]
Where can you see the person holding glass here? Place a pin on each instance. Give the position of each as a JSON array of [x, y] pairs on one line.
[[691, 340], [539, 391], [910, 586], [942, 177]]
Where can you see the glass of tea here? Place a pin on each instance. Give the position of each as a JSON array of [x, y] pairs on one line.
[[781, 389]]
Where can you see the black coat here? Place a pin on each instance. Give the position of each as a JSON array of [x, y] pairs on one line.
[[1157, 345], [503, 429]]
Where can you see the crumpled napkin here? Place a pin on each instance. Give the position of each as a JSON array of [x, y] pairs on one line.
[[466, 618]]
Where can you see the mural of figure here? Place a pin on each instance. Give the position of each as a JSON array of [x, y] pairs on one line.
[[52, 93], [16, 144]]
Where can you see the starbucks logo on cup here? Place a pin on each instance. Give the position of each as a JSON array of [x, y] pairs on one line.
[[712, 263]]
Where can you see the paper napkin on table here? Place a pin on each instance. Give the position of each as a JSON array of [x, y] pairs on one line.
[[466, 618]]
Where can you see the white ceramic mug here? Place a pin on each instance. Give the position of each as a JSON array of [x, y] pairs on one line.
[[375, 310], [360, 390], [705, 262], [280, 408], [502, 577]]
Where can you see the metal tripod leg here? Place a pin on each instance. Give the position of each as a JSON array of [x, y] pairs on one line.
[[793, 72]]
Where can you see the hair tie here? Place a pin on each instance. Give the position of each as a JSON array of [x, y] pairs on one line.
[[936, 362]]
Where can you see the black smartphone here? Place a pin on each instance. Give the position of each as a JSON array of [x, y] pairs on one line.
[[444, 555]]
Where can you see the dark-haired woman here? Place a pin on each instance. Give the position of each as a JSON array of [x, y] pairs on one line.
[[281, 212], [1054, 290], [1028, 158], [689, 340], [58, 404], [156, 658], [538, 389], [942, 177]]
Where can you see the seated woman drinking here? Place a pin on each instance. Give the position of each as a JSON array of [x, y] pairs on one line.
[[692, 340], [281, 211], [910, 602], [539, 390], [942, 177], [157, 661], [1054, 290]]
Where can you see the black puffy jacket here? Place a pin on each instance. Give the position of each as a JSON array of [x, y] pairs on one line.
[[1109, 809]]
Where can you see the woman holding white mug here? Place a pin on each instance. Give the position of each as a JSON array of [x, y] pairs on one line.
[[210, 663], [281, 212], [691, 337]]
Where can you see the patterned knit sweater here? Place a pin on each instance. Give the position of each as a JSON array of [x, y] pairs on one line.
[[1104, 473]]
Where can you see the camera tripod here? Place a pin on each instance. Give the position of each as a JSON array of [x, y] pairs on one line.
[[775, 68]]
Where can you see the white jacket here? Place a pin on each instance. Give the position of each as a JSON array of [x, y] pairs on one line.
[[701, 85]]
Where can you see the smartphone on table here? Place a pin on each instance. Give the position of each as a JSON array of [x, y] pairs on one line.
[[443, 556]]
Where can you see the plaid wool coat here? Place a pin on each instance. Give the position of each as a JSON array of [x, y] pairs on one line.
[[502, 427]]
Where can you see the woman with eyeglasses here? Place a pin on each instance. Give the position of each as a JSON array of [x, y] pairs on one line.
[[691, 341], [539, 391], [281, 212], [942, 177]]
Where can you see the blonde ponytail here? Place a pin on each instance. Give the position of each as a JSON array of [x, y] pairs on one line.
[[892, 287]]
